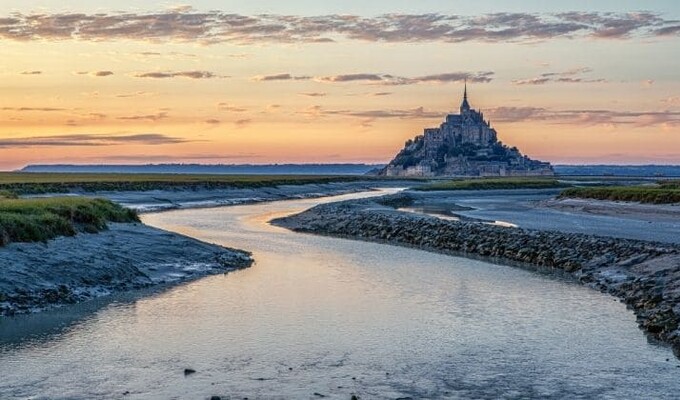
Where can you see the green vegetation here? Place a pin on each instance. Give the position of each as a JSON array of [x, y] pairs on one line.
[[6, 194], [664, 192], [41, 219], [494, 183], [669, 184], [35, 183]]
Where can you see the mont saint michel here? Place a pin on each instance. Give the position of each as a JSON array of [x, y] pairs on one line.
[[465, 144]]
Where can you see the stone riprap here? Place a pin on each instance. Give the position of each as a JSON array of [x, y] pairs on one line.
[[645, 275]]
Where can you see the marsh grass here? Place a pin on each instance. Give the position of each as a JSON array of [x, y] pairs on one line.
[[494, 183], [35, 183], [41, 219], [666, 192]]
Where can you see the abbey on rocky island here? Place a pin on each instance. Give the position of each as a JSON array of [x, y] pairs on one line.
[[465, 144]]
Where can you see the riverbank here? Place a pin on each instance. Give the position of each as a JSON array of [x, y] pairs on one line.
[[539, 209], [161, 200], [125, 256], [645, 275], [80, 264]]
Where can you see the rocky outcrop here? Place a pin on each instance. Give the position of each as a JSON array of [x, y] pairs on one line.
[[645, 275]]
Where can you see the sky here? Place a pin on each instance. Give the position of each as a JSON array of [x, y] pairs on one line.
[[335, 81]]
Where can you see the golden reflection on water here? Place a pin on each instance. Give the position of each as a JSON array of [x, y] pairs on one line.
[[341, 317]]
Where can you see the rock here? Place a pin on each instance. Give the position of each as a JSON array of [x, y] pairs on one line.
[[189, 371], [215, 398]]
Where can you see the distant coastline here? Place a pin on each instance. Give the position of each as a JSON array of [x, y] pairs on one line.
[[649, 170]]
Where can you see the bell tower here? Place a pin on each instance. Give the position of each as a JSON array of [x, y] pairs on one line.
[[464, 106]]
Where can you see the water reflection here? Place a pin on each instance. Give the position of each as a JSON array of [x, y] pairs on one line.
[[338, 317]]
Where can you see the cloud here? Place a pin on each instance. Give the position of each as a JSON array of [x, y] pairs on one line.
[[182, 8], [415, 113], [672, 101], [386, 79], [148, 117], [213, 121], [352, 78], [95, 73], [280, 77], [381, 94], [569, 76], [532, 81], [145, 158], [179, 74], [31, 72], [36, 109], [184, 24], [478, 77], [512, 115], [230, 107], [135, 94], [313, 94], [240, 123], [90, 139], [584, 117]]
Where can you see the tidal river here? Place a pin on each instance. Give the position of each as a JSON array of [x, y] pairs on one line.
[[318, 316]]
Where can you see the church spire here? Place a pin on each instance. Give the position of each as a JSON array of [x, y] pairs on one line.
[[464, 106]]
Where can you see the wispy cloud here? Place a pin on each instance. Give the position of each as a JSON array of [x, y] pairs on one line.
[[89, 139], [573, 75], [313, 94], [95, 73], [34, 109], [415, 113], [280, 77], [31, 73], [584, 117], [230, 107], [240, 123], [145, 158], [385, 79], [135, 94], [188, 25], [178, 74], [145, 117], [672, 101]]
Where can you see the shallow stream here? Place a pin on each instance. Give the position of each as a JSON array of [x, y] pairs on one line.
[[318, 316]]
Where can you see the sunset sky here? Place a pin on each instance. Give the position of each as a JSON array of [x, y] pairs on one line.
[[334, 81]]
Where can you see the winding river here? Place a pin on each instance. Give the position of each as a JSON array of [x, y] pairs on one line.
[[318, 316]]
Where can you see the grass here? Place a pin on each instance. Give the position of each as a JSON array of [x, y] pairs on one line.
[[41, 219], [493, 183], [7, 194], [669, 184], [36, 183], [664, 192]]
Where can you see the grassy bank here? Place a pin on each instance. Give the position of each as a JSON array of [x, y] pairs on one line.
[[35, 183], [36, 220], [494, 183], [664, 192]]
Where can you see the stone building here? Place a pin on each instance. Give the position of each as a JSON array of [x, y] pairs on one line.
[[464, 144]]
